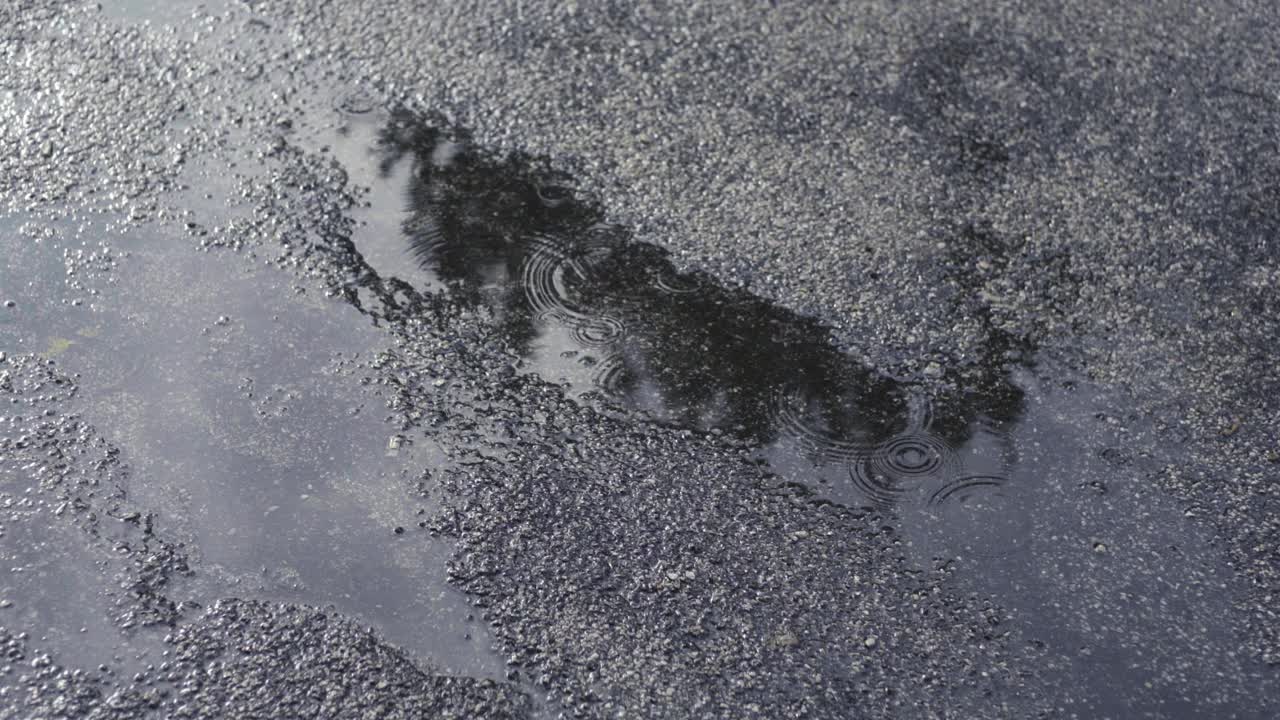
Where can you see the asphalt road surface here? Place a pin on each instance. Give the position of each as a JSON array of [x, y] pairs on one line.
[[639, 359]]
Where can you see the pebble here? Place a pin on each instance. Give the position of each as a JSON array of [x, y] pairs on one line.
[[786, 640]]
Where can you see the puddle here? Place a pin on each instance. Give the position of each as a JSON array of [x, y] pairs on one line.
[[55, 587], [1109, 571], [160, 12], [583, 305], [242, 408], [351, 138], [1027, 481]]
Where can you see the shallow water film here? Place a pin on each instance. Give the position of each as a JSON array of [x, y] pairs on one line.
[[538, 360]]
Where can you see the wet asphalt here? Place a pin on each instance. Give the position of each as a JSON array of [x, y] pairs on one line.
[[518, 359]]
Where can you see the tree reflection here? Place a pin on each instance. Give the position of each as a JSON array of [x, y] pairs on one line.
[[509, 233]]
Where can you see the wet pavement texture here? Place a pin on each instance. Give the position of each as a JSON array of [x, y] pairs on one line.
[[592, 359]]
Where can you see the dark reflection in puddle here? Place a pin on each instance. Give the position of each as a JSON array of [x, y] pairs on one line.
[[1001, 479], [580, 302]]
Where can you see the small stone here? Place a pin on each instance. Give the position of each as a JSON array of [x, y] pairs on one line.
[[871, 641], [1099, 548], [399, 530], [10, 303], [393, 445], [786, 640], [933, 370]]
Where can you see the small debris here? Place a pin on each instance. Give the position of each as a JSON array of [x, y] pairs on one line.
[[871, 641], [394, 443], [785, 640]]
